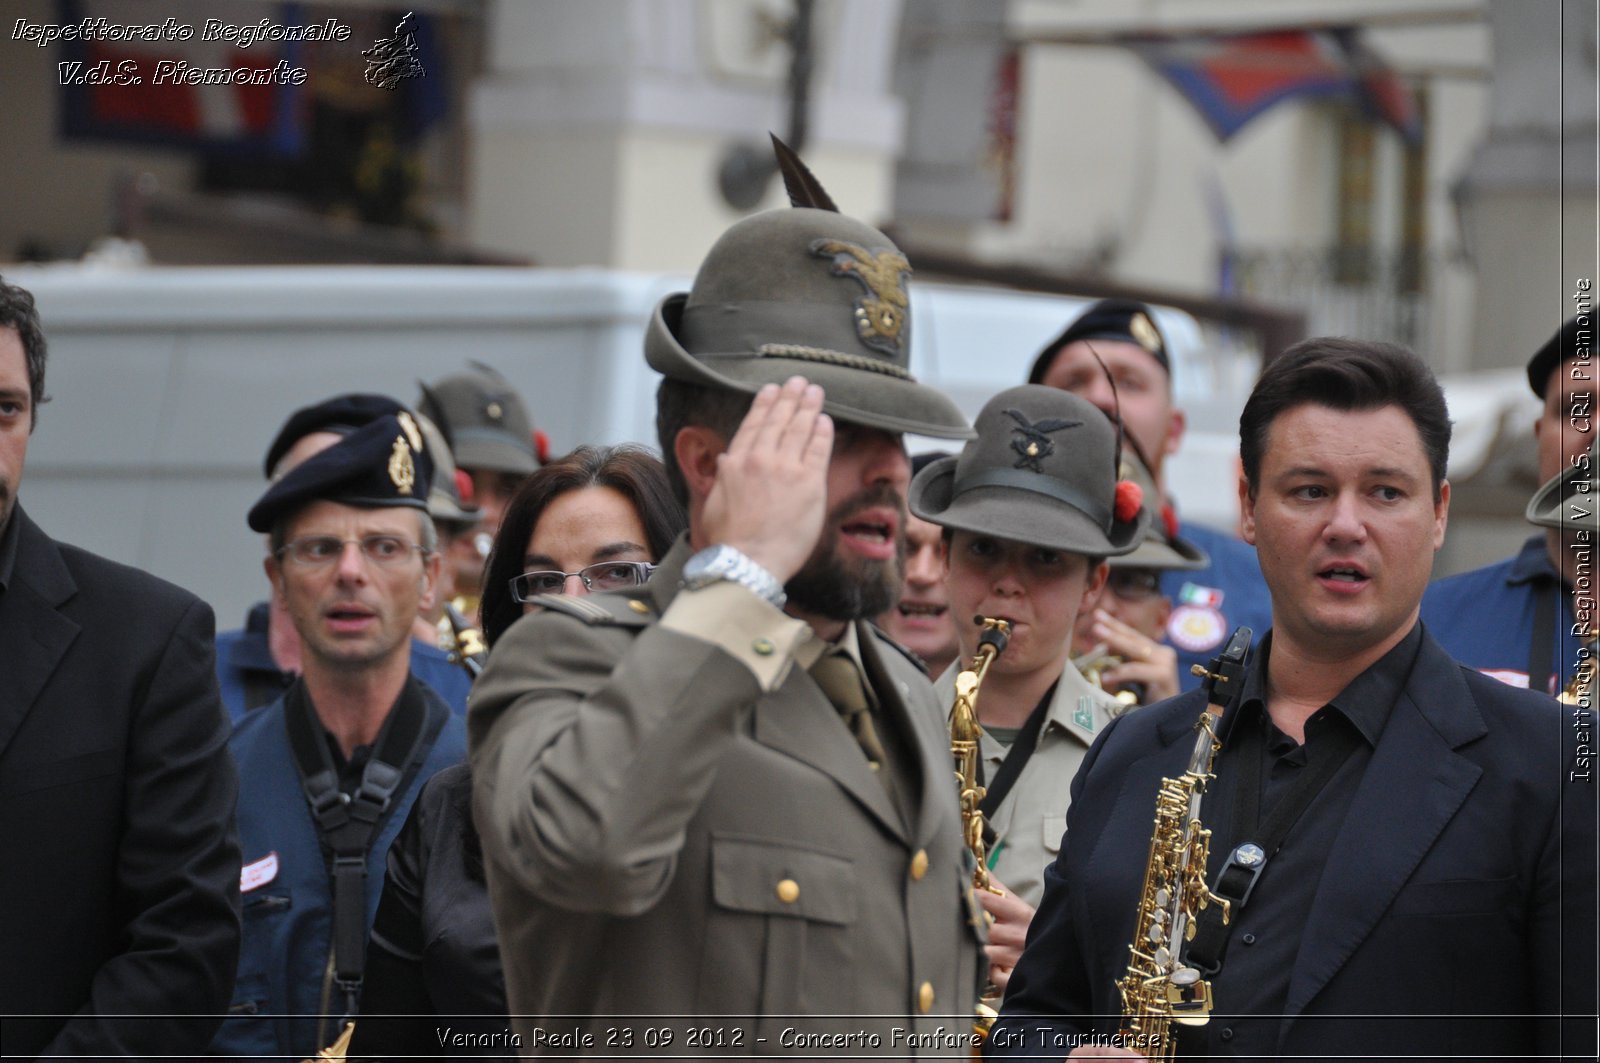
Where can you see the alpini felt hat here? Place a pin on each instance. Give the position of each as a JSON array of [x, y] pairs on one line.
[[1568, 500], [1161, 547], [807, 292], [1042, 470]]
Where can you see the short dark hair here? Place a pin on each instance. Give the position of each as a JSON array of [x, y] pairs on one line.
[[631, 470], [1346, 374], [680, 404], [18, 312]]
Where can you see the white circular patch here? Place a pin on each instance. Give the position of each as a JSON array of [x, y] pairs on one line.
[[1196, 628]]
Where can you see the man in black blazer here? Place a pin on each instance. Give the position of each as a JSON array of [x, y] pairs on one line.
[[119, 858], [1435, 895]]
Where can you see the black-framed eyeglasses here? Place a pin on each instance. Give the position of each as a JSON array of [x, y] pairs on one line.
[[1134, 584], [320, 551], [605, 576]]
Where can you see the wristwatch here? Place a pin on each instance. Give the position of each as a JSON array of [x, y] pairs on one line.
[[721, 562]]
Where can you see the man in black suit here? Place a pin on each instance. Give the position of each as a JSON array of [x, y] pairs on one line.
[[1435, 893], [119, 858]]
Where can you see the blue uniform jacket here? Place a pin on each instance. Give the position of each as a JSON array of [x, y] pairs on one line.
[[1208, 603], [287, 891], [1484, 618], [244, 651]]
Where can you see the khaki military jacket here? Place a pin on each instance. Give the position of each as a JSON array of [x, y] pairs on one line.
[[1031, 820], [690, 835]]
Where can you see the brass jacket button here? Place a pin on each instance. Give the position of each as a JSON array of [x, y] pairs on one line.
[[919, 865], [925, 997], [788, 891]]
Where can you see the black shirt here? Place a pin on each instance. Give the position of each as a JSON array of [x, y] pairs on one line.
[[1252, 988]]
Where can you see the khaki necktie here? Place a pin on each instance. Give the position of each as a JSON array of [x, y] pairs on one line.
[[840, 680]]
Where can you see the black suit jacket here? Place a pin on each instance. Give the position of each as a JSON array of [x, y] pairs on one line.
[[119, 855], [1456, 905]]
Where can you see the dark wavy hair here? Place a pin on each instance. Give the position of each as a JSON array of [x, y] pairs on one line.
[[1349, 375], [18, 312], [632, 470]]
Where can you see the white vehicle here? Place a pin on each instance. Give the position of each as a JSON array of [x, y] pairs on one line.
[[170, 384]]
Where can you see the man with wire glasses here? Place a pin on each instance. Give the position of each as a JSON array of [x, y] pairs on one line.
[[330, 769]]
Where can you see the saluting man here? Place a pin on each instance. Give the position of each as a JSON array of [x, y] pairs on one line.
[[722, 796]]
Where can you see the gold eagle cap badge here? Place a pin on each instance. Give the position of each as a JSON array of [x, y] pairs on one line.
[[880, 313], [413, 433], [1140, 328], [402, 470]]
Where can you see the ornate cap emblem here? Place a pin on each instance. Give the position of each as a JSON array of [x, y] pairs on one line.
[[409, 427], [1032, 440], [402, 470], [881, 313], [1140, 328]]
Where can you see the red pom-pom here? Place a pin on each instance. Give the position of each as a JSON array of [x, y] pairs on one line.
[[541, 446], [1129, 499], [464, 487], [1169, 518]]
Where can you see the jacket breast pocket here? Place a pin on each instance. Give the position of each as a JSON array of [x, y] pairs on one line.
[[67, 771], [788, 911], [1462, 896]]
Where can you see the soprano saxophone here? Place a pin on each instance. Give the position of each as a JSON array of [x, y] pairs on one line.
[[1159, 988], [964, 735]]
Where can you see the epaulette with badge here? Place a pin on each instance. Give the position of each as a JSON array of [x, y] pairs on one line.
[[909, 655], [630, 608]]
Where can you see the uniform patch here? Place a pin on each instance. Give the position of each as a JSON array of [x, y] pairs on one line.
[[1196, 628], [1202, 597], [1083, 715], [258, 873]]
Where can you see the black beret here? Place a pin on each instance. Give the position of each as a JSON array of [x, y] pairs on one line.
[[382, 464], [342, 414], [1575, 339], [1127, 320]]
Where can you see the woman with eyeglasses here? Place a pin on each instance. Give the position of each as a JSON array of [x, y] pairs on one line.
[[595, 520]]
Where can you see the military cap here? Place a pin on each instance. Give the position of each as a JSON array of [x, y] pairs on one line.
[[809, 292], [1575, 339], [1161, 546], [926, 458], [342, 414], [1568, 499], [382, 464], [1042, 470], [1126, 320], [484, 420], [448, 498]]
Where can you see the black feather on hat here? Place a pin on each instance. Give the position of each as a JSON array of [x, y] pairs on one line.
[[810, 292]]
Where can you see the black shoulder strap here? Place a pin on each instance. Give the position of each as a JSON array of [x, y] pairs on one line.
[[349, 822], [1022, 748], [1258, 840]]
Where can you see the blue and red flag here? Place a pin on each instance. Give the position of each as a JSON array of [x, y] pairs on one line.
[[1232, 78]]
